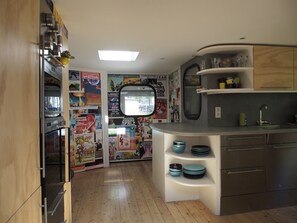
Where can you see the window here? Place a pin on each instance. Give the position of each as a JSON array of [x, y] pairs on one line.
[[137, 100], [191, 100]]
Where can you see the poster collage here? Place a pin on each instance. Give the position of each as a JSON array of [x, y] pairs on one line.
[[130, 138], [174, 89], [86, 150]]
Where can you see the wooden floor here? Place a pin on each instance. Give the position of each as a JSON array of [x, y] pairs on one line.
[[124, 192]]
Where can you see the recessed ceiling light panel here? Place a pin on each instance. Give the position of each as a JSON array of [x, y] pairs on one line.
[[112, 55]]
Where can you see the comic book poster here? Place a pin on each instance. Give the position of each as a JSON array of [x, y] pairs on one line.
[[126, 140], [74, 75], [91, 85], [158, 82], [131, 79], [77, 99], [74, 86], [174, 96], [115, 82], [85, 123], [146, 152], [113, 104], [84, 148], [98, 144], [161, 109]]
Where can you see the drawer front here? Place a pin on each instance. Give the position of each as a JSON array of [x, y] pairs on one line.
[[242, 181], [282, 138], [243, 156], [239, 140]]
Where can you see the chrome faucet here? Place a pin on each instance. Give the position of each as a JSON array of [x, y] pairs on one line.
[[261, 121]]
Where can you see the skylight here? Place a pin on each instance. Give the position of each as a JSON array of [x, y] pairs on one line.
[[112, 55]]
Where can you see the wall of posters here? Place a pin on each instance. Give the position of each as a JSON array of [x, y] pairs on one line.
[[130, 138], [86, 138], [174, 91]]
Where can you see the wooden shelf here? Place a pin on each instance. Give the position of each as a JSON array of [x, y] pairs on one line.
[[189, 156], [202, 182]]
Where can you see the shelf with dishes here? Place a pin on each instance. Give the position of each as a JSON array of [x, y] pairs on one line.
[[226, 80], [226, 69], [189, 156], [202, 182]]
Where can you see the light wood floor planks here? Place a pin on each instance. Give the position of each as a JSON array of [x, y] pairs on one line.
[[124, 193]]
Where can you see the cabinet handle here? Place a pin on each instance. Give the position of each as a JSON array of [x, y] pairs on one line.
[[229, 172], [245, 149], [243, 138], [292, 146]]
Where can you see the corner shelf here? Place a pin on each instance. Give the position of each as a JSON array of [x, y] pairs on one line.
[[222, 70], [202, 182], [189, 156], [227, 48], [225, 91]]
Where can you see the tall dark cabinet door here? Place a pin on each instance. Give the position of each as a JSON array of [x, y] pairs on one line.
[[191, 100]]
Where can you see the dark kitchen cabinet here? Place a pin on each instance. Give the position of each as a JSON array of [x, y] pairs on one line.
[[282, 161], [243, 171], [242, 164]]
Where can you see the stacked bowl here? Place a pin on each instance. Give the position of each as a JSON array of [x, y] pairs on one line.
[[175, 169], [200, 150], [194, 171], [179, 146]]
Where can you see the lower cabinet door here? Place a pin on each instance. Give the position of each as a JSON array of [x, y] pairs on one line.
[[282, 167], [242, 181], [55, 213]]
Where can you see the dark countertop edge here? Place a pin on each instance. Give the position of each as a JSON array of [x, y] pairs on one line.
[[185, 129]]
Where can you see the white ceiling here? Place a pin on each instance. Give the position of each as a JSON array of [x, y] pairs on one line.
[[169, 32]]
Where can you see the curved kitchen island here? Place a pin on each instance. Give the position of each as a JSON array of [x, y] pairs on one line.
[[237, 169]]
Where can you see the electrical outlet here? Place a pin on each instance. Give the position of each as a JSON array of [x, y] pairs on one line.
[[217, 112]]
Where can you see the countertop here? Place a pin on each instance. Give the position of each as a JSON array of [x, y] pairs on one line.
[[186, 129]]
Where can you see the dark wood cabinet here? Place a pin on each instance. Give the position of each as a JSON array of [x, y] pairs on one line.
[[282, 162]]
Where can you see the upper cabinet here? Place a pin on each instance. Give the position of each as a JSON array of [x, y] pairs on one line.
[[273, 68], [295, 69], [247, 68], [226, 69]]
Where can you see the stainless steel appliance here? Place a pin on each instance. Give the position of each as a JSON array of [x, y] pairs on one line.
[[52, 123]]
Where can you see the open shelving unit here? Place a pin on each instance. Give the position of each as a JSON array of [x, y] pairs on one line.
[[211, 75], [179, 188]]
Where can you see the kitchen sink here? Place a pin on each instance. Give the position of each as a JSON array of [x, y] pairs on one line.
[[270, 126]]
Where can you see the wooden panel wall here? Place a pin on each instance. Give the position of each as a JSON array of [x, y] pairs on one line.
[[19, 105]]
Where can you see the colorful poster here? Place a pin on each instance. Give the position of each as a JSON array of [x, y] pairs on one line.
[[174, 96], [91, 85], [161, 109], [77, 99], [113, 104], [85, 120], [115, 82], [84, 148], [74, 75], [126, 140]]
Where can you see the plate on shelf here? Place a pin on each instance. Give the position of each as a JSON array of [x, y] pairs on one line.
[[189, 176]]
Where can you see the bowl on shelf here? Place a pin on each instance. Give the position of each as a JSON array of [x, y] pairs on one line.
[[175, 166], [178, 146], [175, 173]]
